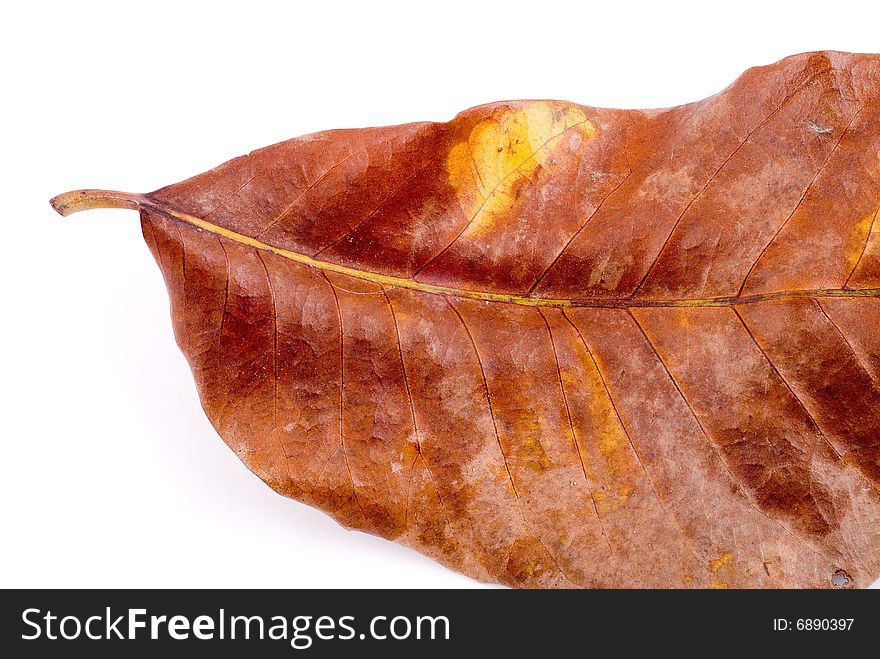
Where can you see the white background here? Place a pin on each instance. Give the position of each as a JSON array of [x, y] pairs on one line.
[[111, 474]]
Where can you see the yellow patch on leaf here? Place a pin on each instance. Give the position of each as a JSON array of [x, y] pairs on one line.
[[717, 564], [619, 470], [504, 149]]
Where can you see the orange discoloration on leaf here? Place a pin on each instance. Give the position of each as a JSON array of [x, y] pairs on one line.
[[619, 468], [718, 563], [864, 255]]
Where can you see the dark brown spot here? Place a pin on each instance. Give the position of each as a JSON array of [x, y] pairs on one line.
[[841, 579]]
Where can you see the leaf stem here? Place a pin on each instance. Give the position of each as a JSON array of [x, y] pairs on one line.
[[83, 200]]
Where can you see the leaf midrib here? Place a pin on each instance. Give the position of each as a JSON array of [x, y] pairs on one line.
[[403, 282]]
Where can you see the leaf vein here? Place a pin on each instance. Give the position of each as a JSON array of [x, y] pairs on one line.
[[736, 482], [864, 249], [588, 481], [501, 448], [718, 171], [412, 410], [342, 402], [800, 201], [632, 445], [556, 258], [507, 298]]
